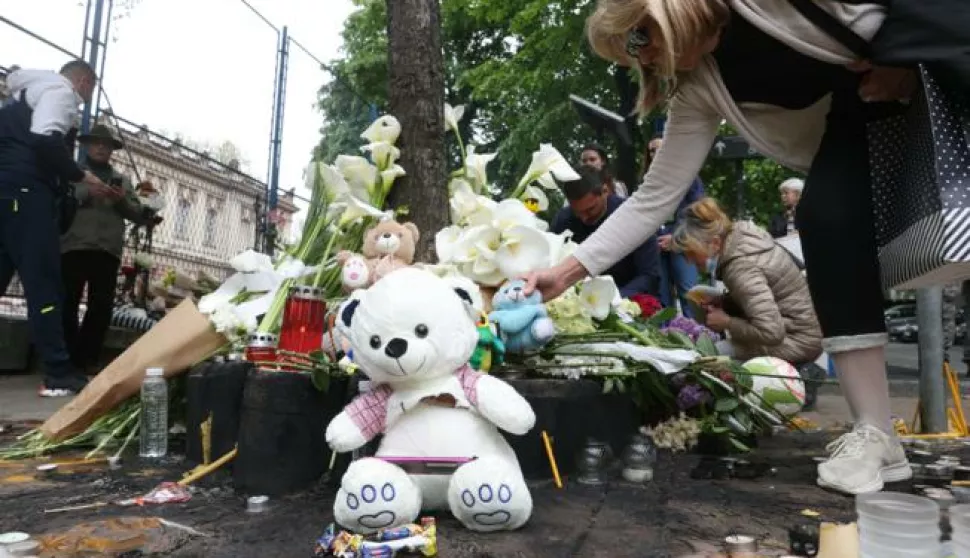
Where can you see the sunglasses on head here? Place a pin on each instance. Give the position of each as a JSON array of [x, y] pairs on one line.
[[637, 39]]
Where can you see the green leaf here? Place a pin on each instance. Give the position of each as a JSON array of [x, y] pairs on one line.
[[726, 405], [662, 317], [680, 339], [739, 445], [705, 346], [718, 429], [320, 379]]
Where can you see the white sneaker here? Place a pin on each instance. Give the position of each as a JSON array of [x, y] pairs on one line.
[[862, 460]]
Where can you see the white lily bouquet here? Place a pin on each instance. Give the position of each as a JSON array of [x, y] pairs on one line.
[[493, 241]]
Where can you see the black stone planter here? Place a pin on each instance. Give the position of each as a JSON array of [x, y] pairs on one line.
[[216, 389], [571, 411], [282, 444]]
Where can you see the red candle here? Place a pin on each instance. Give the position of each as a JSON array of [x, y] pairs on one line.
[[303, 320], [261, 348]]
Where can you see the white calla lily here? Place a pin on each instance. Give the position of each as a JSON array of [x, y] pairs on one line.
[[535, 199], [549, 159], [357, 209], [388, 176], [476, 168], [360, 174], [547, 181], [523, 249], [596, 296], [382, 154], [453, 116], [483, 271], [467, 207], [336, 187], [447, 242], [386, 128], [512, 212]]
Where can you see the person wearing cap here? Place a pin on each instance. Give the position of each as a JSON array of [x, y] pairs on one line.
[[91, 248], [36, 123], [783, 224]]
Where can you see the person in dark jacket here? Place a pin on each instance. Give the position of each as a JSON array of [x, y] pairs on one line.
[[590, 203], [91, 249], [34, 162], [783, 224], [677, 275]]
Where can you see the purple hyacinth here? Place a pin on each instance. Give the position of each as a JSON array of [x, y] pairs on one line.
[[690, 328], [691, 396]]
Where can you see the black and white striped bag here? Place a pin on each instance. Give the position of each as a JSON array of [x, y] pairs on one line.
[[920, 157], [920, 163]]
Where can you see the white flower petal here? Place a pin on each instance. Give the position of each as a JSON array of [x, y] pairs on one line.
[[523, 249], [476, 167], [453, 116], [357, 209], [386, 128], [511, 213], [447, 242], [547, 181], [535, 199], [597, 295], [548, 160], [360, 174], [382, 153]]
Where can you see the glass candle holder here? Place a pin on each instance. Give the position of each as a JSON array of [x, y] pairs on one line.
[[304, 317], [261, 347]]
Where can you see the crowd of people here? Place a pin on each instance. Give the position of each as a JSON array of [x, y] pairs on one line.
[[73, 214]]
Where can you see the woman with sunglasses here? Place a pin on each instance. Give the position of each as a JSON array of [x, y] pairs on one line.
[[801, 98]]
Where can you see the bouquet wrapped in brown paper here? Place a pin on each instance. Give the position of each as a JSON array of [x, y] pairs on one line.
[[183, 338]]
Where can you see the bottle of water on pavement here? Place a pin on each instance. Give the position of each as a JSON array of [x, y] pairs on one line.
[[154, 414]]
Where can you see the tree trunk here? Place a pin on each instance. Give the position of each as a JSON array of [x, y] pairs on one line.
[[416, 94]]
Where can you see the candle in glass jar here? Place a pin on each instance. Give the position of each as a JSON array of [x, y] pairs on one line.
[[261, 347], [303, 320]]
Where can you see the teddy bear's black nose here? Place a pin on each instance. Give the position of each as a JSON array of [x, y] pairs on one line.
[[386, 235], [396, 348]]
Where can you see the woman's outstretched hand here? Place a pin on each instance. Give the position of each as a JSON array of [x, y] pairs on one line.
[[553, 281]]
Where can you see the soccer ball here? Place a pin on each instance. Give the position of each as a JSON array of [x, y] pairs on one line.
[[786, 394]]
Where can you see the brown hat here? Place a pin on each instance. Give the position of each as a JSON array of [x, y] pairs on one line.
[[100, 132]]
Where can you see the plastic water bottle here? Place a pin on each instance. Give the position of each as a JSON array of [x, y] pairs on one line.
[[154, 414]]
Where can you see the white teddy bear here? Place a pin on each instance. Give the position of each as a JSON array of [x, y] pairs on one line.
[[412, 333]]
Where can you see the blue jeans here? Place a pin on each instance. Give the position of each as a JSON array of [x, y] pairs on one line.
[[676, 273]]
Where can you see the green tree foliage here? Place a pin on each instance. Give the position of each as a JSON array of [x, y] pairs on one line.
[[513, 63]]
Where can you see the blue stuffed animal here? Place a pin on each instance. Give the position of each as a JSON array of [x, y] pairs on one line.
[[522, 320]]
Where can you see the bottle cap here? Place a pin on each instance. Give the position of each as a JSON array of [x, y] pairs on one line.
[[155, 372]]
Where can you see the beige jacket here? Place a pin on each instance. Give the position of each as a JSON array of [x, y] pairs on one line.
[[702, 102], [764, 282]]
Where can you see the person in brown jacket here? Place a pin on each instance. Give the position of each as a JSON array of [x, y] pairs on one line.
[[767, 310]]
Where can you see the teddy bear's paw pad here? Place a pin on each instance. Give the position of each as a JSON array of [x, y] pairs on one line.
[[489, 496], [365, 504]]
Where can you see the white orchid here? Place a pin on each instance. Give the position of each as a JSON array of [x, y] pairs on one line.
[[522, 249], [446, 242], [476, 171], [596, 296], [453, 116], [382, 154], [535, 199], [357, 209], [359, 173], [386, 129]]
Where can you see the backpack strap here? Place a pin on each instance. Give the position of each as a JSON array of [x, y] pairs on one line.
[[835, 28]]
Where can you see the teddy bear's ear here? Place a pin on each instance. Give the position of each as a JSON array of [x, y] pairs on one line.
[[413, 229], [463, 295], [468, 303], [347, 312]]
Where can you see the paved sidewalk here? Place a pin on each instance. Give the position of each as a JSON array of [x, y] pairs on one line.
[[19, 400]]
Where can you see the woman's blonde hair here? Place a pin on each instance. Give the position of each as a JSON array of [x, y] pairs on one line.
[[701, 223], [683, 24]]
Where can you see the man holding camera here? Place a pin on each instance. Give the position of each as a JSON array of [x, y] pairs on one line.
[[91, 249], [35, 160]]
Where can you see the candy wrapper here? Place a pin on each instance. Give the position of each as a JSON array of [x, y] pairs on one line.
[[165, 493], [388, 543]]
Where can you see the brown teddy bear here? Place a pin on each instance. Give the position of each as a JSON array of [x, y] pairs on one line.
[[388, 245]]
